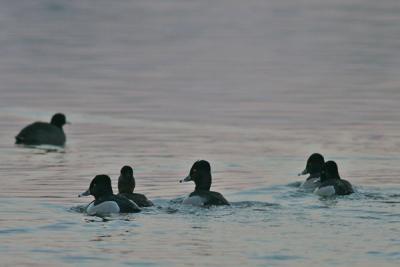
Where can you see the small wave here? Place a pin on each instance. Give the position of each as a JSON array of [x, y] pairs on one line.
[[254, 204], [43, 149], [14, 231], [279, 257], [382, 195], [177, 200], [79, 209], [294, 184]]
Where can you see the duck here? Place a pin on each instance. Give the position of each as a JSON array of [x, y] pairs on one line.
[[200, 174], [105, 202], [126, 186], [315, 163], [43, 133], [331, 183]]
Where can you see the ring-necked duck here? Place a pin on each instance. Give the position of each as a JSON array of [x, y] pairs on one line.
[[314, 166], [331, 183], [105, 202], [43, 133], [200, 174], [126, 185]]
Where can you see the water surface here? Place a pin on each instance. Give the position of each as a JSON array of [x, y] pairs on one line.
[[252, 86]]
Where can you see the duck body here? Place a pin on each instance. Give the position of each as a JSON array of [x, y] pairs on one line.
[[205, 198], [334, 187], [43, 133], [200, 174], [105, 202], [314, 165], [126, 186], [111, 204], [331, 183]]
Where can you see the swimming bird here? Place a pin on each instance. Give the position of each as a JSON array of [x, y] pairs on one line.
[[314, 166], [105, 202], [43, 133], [200, 174], [126, 185], [331, 183]]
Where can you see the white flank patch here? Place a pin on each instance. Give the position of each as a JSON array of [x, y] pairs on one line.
[[106, 207], [194, 200], [311, 184], [325, 191]]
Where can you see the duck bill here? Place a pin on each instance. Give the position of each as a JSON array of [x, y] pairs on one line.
[[84, 194], [303, 172], [186, 179]]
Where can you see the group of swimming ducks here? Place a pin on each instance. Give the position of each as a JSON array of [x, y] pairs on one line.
[[323, 180]]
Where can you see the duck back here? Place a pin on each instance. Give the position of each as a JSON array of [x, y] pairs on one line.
[[39, 133], [140, 199]]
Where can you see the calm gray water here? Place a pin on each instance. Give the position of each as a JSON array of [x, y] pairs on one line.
[[252, 86]]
